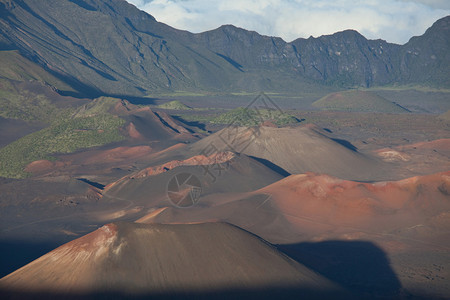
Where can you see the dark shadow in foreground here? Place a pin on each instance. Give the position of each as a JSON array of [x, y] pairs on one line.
[[16, 254], [232, 293], [359, 266]]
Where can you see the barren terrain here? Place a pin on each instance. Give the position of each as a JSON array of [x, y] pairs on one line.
[[141, 161]]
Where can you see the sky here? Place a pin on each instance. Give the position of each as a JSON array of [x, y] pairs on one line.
[[395, 21]]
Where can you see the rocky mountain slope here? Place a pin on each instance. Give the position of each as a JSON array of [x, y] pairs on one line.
[[111, 47]]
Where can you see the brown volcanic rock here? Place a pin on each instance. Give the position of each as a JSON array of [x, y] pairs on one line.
[[144, 259], [198, 160], [38, 166], [171, 122], [419, 158], [296, 150], [222, 172], [132, 132], [146, 124], [407, 219], [310, 206], [118, 154], [142, 122], [375, 206], [143, 126], [93, 161]]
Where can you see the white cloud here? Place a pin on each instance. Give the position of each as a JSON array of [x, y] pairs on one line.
[[393, 20], [443, 4]]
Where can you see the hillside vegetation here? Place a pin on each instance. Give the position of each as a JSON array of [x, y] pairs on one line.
[[134, 54], [66, 134], [26, 105], [100, 105], [252, 117], [175, 105], [18, 68]]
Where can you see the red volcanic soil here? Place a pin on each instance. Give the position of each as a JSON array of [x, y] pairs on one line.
[[368, 206], [144, 124], [440, 145], [419, 158], [409, 220], [142, 259], [39, 166], [132, 132], [198, 160], [119, 154], [124, 107], [269, 124], [310, 206], [70, 163], [148, 125], [43, 166], [159, 130]]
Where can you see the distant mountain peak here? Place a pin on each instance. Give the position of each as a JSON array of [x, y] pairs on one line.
[[133, 54], [443, 23]]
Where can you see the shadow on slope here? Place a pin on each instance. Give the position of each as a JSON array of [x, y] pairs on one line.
[[346, 144], [297, 150], [130, 260], [271, 166], [359, 266]]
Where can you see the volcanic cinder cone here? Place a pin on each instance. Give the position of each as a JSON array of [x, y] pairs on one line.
[[139, 259], [296, 150]]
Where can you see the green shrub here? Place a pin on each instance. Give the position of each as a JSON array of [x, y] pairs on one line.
[[64, 136], [252, 117]]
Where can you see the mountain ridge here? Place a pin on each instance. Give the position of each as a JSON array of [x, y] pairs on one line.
[[136, 55]]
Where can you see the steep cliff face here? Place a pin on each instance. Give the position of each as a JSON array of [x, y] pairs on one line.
[[111, 47], [426, 59], [344, 59], [347, 58], [108, 46]]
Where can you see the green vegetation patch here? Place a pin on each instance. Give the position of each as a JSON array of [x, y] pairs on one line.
[[64, 136], [25, 105], [180, 94], [252, 117], [97, 106], [176, 105]]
